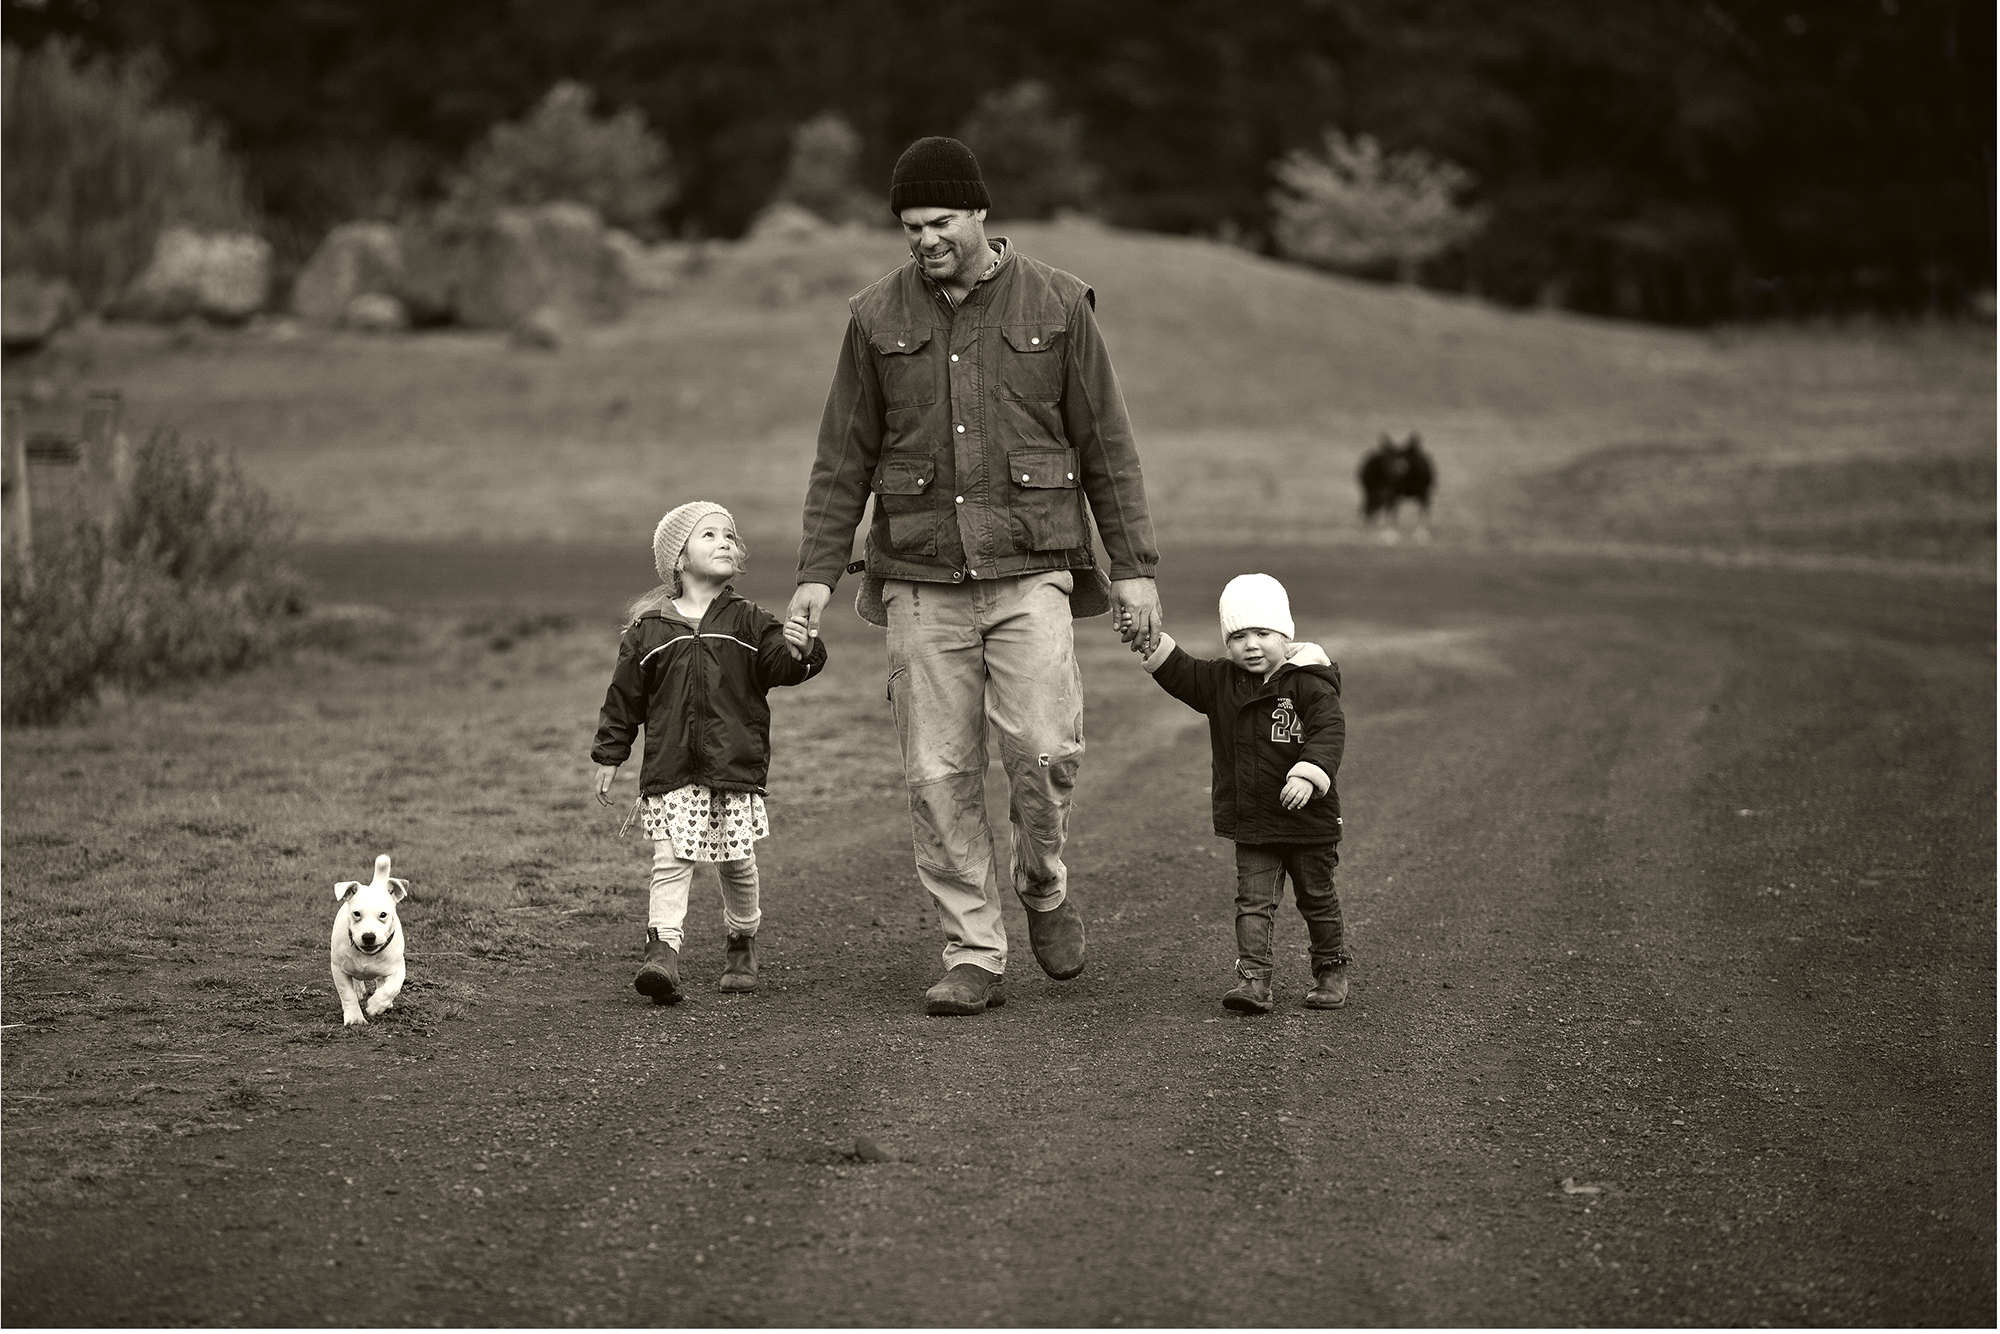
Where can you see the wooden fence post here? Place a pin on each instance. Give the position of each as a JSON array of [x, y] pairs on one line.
[[16, 519], [105, 456]]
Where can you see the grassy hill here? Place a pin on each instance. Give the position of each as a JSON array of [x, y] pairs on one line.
[[1255, 387]]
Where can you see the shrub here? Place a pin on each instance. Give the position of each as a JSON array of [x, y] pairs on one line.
[[823, 173], [1031, 157], [92, 166], [1358, 209], [186, 579], [615, 164]]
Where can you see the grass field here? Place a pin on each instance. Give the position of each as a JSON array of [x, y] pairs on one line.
[[458, 726], [1255, 387]]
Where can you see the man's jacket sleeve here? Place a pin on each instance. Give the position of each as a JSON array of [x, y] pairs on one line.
[[624, 704], [850, 442], [1094, 419]]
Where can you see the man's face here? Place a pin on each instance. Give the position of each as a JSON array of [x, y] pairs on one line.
[[1257, 650], [949, 242]]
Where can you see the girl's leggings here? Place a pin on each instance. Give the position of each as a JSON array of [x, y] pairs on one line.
[[667, 907]]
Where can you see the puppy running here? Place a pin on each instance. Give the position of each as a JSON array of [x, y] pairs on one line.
[[368, 944]]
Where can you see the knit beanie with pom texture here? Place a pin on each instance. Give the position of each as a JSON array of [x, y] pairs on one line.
[[937, 173], [1255, 602], [670, 539]]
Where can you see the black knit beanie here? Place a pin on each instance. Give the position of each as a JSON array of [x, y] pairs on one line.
[[937, 173]]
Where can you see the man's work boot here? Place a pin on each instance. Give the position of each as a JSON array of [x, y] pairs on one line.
[[1057, 939], [1329, 990], [965, 989], [660, 972], [1250, 995], [739, 963]]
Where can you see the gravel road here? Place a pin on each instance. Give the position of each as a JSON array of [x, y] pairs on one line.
[[1672, 894]]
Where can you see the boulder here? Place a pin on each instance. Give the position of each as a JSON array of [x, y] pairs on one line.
[[32, 308], [782, 220], [495, 271], [221, 276], [543, 330], [356, 259], [375, 312]]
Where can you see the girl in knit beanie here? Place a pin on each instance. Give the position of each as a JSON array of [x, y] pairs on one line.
[[694, 665]]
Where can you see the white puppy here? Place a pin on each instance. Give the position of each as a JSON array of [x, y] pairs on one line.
[[368, 943]]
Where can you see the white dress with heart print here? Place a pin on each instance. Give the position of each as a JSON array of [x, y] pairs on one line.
[[706, 825]]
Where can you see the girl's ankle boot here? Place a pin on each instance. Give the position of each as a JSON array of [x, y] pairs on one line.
[[739, 964], [660, 971]]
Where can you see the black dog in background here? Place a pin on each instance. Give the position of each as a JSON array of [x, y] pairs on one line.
[[1392, 473]]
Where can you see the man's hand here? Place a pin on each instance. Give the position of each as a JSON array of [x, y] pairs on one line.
[[1135, 613], [605, 773], [808, 601], [1296, 793]]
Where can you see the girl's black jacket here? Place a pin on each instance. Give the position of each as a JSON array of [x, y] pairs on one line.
[[699, 691], [1257, 731]]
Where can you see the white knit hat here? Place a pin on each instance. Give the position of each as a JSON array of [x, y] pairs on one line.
[[1255, 602], [670, 539]]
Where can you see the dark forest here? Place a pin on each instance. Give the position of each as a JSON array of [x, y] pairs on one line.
[[1671, 160]]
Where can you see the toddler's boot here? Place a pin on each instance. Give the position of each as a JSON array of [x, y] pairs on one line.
[[660, 971], [1251, 995], [739, 963], [1329, 989]]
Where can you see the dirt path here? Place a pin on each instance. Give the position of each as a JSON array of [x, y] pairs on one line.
[[1672, 890]]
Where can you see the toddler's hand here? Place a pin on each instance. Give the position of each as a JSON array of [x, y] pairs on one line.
[[605, 773], [1296, 793], [798, 636]]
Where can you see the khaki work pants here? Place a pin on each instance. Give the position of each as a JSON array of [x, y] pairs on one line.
[[961, 657]]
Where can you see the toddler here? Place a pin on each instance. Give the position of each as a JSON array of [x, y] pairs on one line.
[[1276, 732], [694, 666]]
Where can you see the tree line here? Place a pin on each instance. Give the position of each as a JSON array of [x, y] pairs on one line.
[[1674, 160]]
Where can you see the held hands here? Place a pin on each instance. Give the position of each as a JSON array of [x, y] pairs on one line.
[[802, 617], [1295, 794], [605, 773], [1135, 614]]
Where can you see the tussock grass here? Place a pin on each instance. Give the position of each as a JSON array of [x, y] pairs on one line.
[[185, 580]]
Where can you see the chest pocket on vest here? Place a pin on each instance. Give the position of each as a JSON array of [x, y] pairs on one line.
[[1029, 364], [902, 498], [909, 379]]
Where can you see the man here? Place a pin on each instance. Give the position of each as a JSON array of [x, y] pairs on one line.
[[975, 401]]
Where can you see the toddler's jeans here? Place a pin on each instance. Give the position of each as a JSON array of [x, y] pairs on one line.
[[1261, 872], [667, 907]]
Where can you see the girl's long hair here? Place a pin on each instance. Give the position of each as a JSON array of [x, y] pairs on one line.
[[656, 600]]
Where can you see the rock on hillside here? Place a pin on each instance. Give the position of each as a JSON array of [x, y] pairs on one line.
[[32, 308], [495, 272], [356, 259], [223, 276]]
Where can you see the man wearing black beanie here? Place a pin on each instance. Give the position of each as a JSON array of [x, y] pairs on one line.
[[975, 402]]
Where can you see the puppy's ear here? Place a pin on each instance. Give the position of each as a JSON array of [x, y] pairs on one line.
[[345, 890], [401, 888]]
